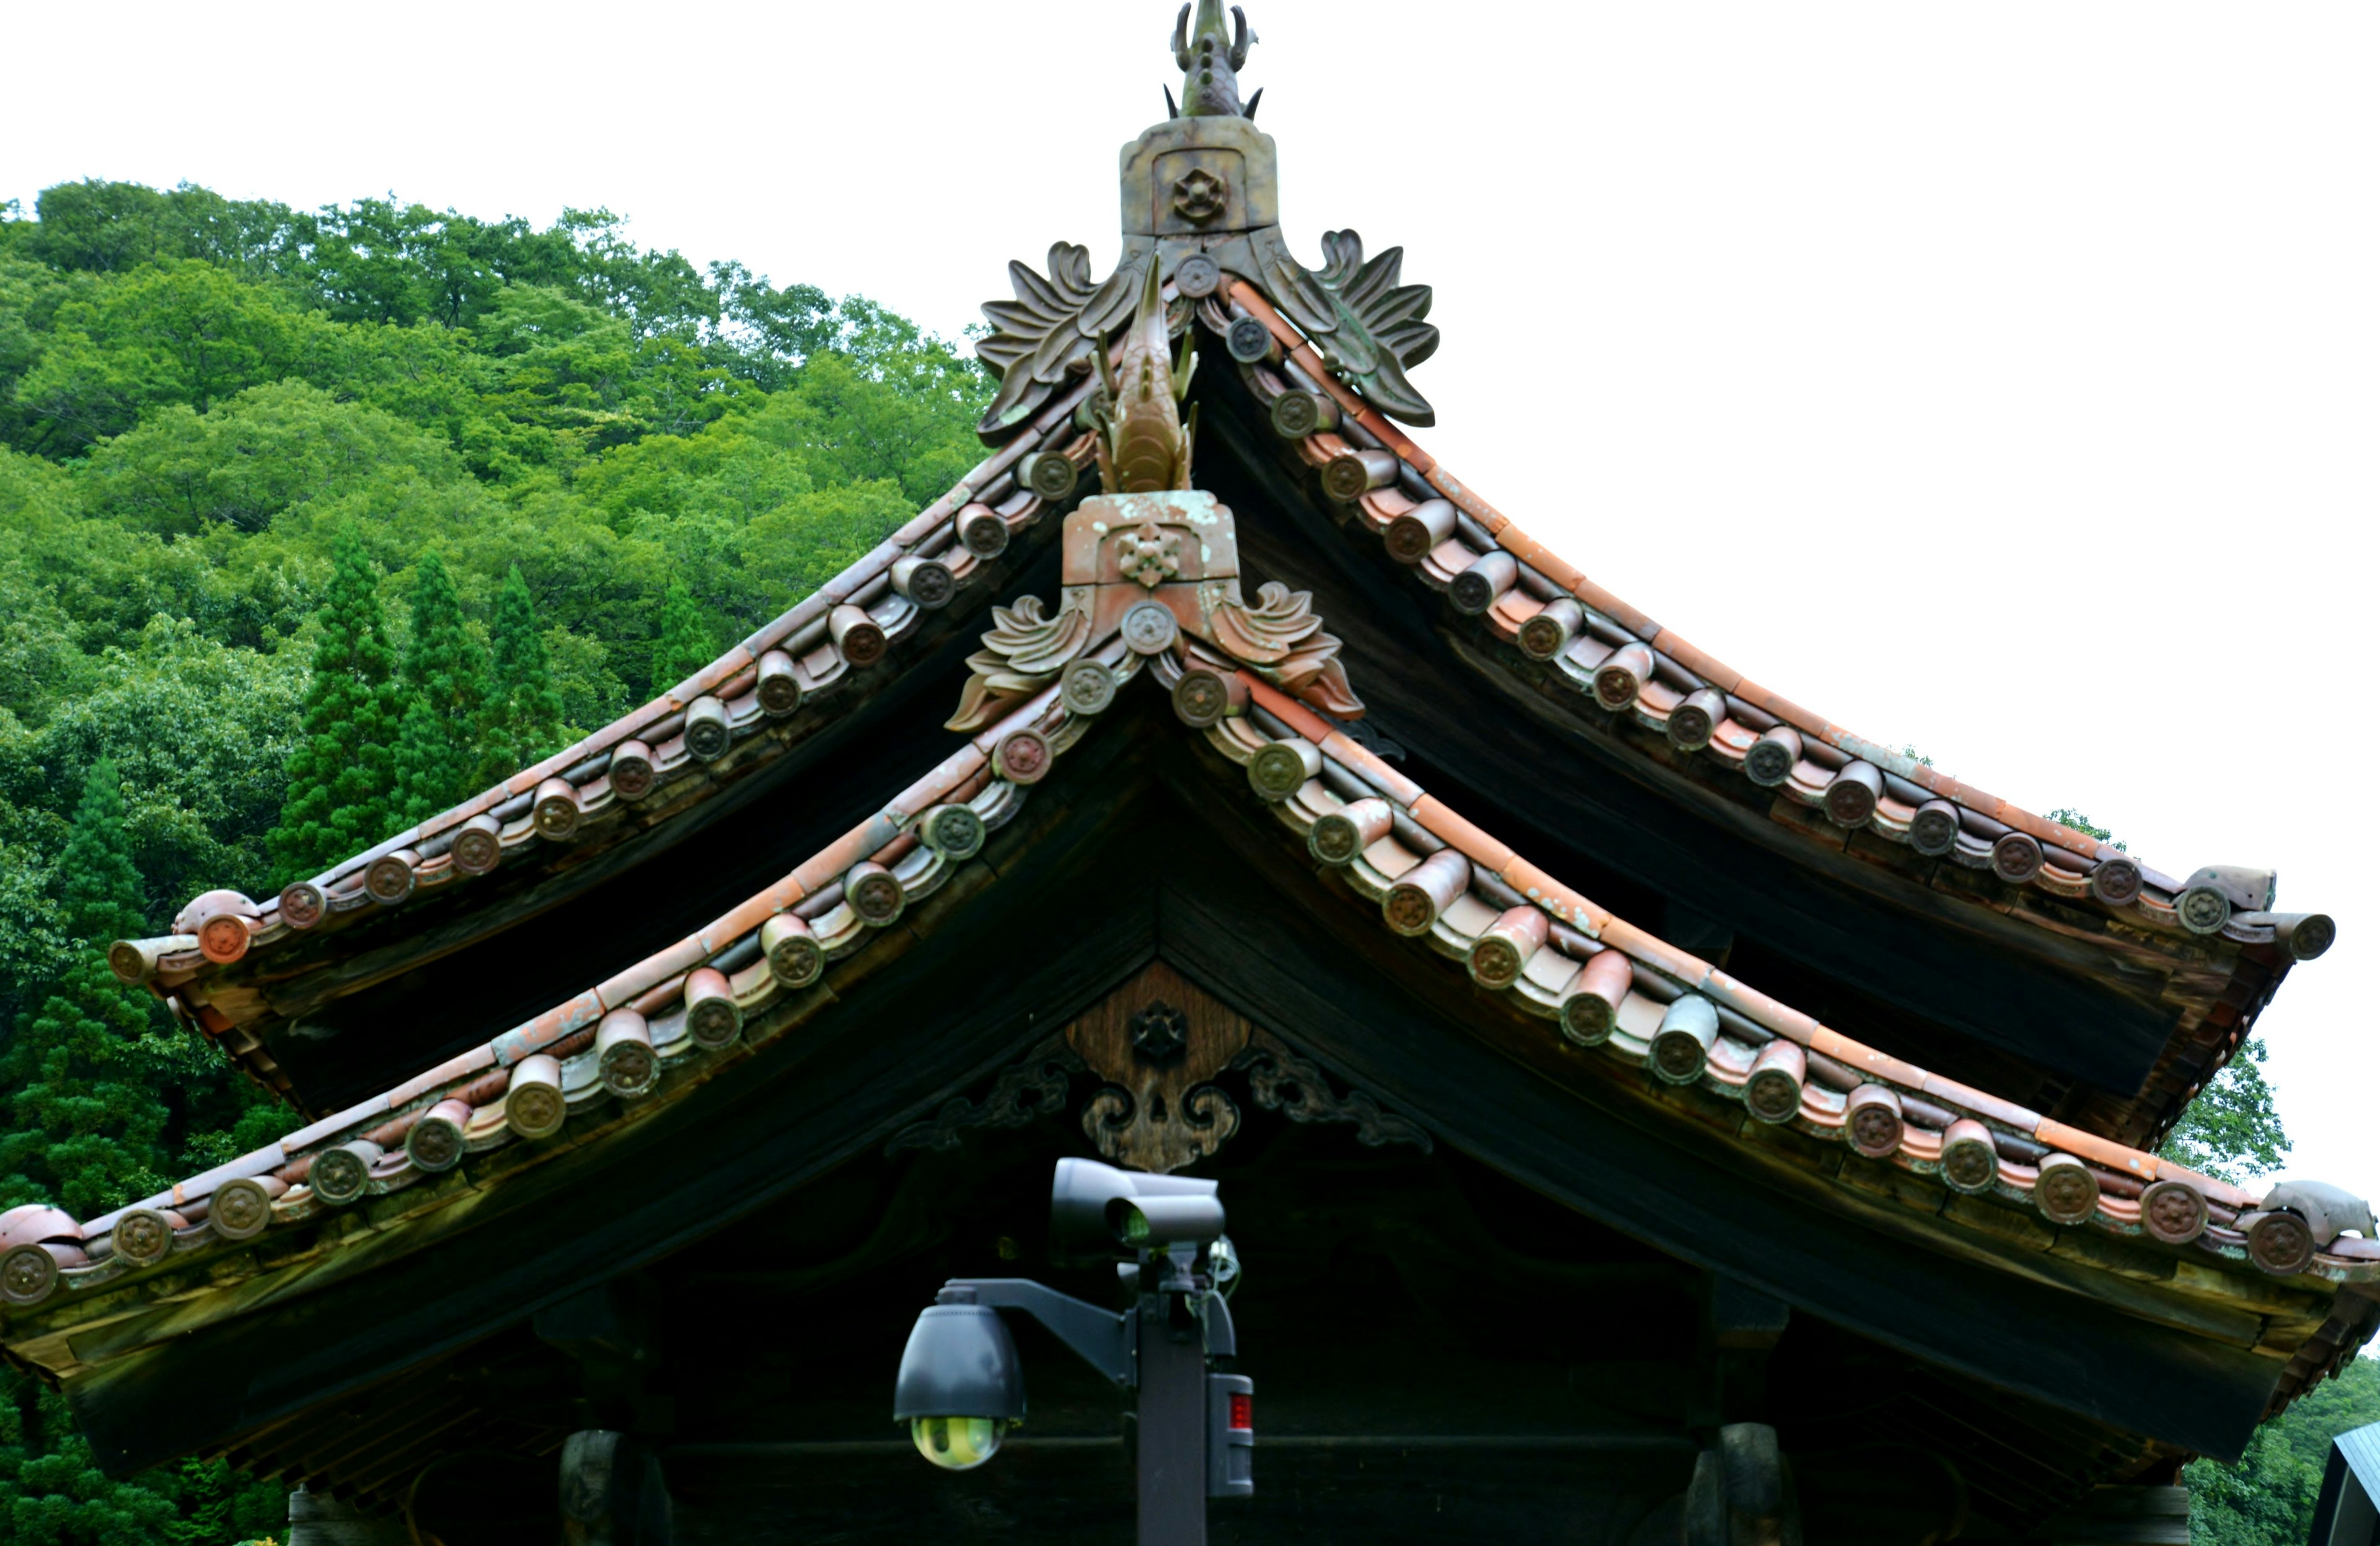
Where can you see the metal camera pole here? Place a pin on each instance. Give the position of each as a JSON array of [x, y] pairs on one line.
[[1194, 1431]]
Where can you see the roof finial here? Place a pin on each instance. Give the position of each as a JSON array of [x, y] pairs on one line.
[[1209, 61]]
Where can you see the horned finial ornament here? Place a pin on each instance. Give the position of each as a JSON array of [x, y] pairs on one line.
[[1201, 218], [1210, 64]]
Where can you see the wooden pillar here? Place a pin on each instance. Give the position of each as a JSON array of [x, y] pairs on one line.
[[315, 1520], [1741, 1326], [1742, 1493], [613, 1493]]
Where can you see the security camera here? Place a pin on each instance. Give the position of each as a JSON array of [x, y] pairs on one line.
[[1098, 1212]]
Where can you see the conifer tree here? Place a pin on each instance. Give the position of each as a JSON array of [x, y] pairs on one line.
[[436, 747], [521, 719], [682, 646], [84, 1132], [342, 777]]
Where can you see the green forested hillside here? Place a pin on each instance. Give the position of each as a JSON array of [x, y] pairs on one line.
[[285, 497]]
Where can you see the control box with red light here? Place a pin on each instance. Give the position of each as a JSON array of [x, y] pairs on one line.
[[1230, 1436]]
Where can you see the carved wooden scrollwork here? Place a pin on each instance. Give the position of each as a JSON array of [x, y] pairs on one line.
[[1159, 1041], [1296, 1087], [1033, 1088]]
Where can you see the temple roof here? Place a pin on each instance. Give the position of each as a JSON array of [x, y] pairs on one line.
[[1970, 1030], [2009, 1190]]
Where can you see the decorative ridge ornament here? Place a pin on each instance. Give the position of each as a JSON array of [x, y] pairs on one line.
[[1210, 81], [1160, 570], [1201, 204], [1142, 443]]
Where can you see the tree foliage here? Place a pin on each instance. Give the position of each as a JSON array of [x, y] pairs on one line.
[[2268, 1498], [312, 523], [343, 790]]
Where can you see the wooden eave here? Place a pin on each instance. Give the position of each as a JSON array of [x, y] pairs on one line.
[[2187, 1344]]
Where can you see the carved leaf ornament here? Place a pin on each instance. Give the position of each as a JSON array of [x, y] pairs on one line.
[[1368, 326], [1052, 325]]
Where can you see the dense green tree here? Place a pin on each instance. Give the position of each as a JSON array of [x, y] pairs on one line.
[[2268, 1498], [80, 1133], [2232, 1130], [683, 646], [521, 719], [342, 777], [182, 332], [445, 682]]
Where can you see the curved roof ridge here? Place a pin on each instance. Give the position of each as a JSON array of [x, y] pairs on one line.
[[845, 624], [684, 1006], [2045, 853], [1391, 862]]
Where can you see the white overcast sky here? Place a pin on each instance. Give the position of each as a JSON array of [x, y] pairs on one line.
[[1998, 379]]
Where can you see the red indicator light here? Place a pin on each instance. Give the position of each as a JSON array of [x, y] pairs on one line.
[[1243, 1411]]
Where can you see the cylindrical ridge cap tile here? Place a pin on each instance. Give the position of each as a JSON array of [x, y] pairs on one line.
[[555, 810], [1681, 1046], [779, 684], [1049, 474], [1695, 721], [707, 734], [1591, 1007], [1970, 1162], [712, 1017], [1341, 837], [795, 956], [2278, 1242], [339, 1176], [1483, 583], [2067, 1190], [533, 1103], [1872, 1122], [928, 583], [2173, 1212], [1297, 413], [241, 1208], [1504, 947], [1249, 341], [1023, 756], [632, 770], [142, 1237], [435, 1142], [479, 845], [1772, 758], [954, 831], [1279, 769], [624, 1053], [1412, 536], [389, 879], [981, 531], [1205, 697], [874, 893], [1416, 897], [1934, 830], [858, 637], [1620, 679], [1851, 795], [1773, 1088], [1549, 631], [1352, 473], [2016, 857], [1086, 687], [2116, 880]]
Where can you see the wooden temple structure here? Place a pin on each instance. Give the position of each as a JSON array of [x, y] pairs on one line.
[[1611, 1063]]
